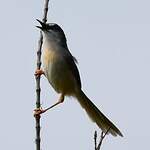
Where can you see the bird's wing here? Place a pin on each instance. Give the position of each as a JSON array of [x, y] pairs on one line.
[[71, 62]]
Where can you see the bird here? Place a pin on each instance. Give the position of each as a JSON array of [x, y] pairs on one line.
[[59, 67]]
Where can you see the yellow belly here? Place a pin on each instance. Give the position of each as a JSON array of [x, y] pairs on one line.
[[48, 56], [58, 73]]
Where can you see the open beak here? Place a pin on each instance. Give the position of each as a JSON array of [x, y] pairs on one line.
[[43, 25]]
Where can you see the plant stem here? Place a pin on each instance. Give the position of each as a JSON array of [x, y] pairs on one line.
[[38, 89]]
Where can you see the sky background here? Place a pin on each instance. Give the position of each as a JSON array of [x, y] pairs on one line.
[[111, 40]]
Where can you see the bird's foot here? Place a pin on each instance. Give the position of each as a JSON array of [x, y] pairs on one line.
[[38, 72], [38, 112]]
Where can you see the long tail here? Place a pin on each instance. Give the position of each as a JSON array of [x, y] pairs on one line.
[[96, 115]]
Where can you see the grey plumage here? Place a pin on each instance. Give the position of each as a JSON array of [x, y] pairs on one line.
[[62, 73]]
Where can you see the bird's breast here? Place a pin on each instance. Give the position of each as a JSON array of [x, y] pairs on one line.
[[57, 72], [48, 57]]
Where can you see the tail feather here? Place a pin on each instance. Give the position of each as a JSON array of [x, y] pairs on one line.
[[96, 115]]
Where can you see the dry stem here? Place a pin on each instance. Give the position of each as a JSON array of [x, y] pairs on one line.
[[103, 135], [38, 89]]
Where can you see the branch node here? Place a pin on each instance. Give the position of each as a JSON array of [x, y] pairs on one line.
[[102, 136]]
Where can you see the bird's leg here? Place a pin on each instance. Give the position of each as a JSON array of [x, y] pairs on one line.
[[39, 72], [40, 110]]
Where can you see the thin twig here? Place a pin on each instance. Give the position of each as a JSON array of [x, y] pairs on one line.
[[103, 135], [95, 140], [38, 89]]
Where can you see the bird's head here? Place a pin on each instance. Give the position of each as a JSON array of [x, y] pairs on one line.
[[51, 28]]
